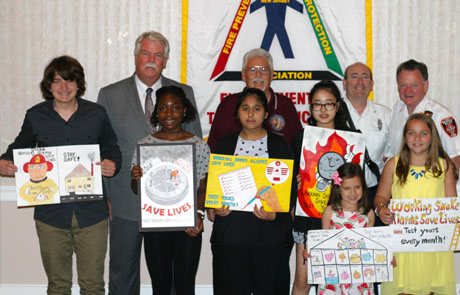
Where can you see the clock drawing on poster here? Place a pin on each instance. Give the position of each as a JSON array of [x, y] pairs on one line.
[[166, 184], [277, 172]]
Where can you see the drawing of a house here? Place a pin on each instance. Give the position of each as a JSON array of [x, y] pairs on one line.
[[79, 180], [348, 257]]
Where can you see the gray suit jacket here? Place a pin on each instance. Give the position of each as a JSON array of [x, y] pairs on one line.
[[123, 106]]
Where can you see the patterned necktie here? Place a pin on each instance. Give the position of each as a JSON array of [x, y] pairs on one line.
[[149, 107]]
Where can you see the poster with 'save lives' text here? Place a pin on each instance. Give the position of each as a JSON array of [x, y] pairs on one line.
[[167, 188]]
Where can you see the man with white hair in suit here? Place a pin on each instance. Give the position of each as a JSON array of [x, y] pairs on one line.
[[129, 104]]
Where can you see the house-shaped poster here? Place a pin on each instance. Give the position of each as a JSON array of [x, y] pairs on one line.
[[349, 256]]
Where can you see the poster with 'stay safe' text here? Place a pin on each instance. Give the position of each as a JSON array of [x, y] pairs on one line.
[[53, 175]]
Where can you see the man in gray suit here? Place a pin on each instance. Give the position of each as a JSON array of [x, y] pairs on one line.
[[125, 102]]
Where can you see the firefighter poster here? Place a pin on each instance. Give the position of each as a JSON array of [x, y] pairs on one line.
[[53, 175]]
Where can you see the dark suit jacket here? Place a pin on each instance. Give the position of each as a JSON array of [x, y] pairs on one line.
[[124, 108]]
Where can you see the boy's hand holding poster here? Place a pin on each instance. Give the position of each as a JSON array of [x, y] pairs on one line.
[[323, 151], [53, 175], [243, 182], [350, 256], [426, 225], [167, 188]]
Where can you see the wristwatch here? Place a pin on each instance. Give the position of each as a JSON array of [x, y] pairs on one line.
[[202, 214], [378, 206]]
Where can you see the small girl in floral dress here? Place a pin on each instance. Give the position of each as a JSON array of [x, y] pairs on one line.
[[348, 208]]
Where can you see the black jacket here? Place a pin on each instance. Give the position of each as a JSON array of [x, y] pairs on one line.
[[244, 228]]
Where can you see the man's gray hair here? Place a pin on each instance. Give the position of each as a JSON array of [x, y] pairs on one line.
[[152, 36], [258, 52]]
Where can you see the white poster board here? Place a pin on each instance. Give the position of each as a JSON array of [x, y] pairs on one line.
[[53, 175], [167, 188], [350, 256], [426, 225]]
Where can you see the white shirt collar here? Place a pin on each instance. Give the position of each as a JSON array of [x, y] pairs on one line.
[[421, 107], [369, 107], [142, 90]]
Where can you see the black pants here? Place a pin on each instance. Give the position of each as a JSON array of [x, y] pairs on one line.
[[283, 273], [171, 254], [250, 269], [220, 276], [220, 279]]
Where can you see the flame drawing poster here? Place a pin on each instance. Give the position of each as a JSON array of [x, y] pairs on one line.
[[323, 151], [53, 175]]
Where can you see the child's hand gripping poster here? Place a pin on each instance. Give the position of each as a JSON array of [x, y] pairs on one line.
[[426, 225], [350, 256], [167, 188], [243, 182], [323, 151], [53, 175]]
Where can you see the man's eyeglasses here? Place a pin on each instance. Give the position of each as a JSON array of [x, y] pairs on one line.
[[261, 69], [330, 106]]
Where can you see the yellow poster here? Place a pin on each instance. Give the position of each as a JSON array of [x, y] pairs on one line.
[[243, 182]]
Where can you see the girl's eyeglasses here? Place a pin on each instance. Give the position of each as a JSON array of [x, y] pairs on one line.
[[330, 106]]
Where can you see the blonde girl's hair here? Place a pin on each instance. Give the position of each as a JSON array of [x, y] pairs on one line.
[[435, 152], [350, 170]]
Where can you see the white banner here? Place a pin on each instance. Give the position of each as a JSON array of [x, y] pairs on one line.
[[309, 41]]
